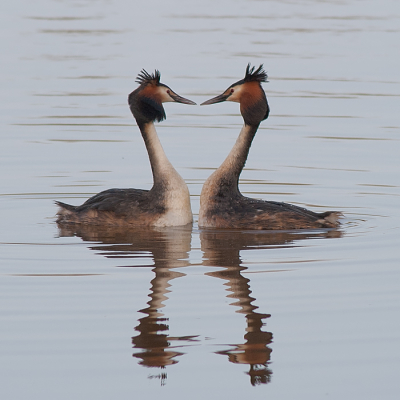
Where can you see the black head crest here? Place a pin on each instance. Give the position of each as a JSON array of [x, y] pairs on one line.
[[144, 107], [144, 77], [258, 75]]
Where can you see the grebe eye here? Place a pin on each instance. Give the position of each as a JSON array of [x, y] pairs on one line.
[[168, 91], [232, 90]]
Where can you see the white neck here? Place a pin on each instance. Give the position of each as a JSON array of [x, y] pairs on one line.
[[233, 165], [237, 157], [166, 179], [160, 165]]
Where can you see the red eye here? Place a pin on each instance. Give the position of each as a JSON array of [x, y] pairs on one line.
[[232, 90], [167, 91]]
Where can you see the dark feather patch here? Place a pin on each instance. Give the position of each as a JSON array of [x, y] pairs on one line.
[[115, 207], [258, 75], [241, 212], [151, 109], [257, 113], [144, 77], [144, 108]]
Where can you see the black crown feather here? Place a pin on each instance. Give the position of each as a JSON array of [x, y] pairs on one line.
[[144, 77], [259, 75]]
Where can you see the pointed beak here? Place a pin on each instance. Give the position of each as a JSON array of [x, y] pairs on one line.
[[180, 99], [217, 99]]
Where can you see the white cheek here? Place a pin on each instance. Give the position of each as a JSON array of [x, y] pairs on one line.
[[165, 97], [235, 96]]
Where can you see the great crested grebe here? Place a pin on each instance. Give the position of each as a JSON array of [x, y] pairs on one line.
[[221, 203], [167, 203]]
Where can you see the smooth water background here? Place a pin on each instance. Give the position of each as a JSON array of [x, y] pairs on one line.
[[184, 313]]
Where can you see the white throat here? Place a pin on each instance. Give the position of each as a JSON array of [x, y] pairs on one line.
[[175, 190]]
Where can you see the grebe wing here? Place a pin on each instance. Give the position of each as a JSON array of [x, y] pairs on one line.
[[276, 206], [292, 212], [118, 201], [114, 207]]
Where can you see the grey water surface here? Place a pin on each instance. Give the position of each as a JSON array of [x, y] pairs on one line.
[[184, 313]]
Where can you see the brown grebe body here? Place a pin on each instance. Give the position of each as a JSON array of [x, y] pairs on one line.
[[167, 203], [221, 203]]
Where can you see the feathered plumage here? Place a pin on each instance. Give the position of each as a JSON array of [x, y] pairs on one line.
[[221, 203], [167, 203], [259, 75], [144, 77]]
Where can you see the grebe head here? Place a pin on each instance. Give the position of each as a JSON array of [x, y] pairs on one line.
[[249, 93], [146, 101]]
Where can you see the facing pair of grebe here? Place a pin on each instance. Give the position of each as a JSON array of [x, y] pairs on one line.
[[167, 203]]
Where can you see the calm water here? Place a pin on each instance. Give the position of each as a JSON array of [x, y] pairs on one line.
[[181, 313]]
